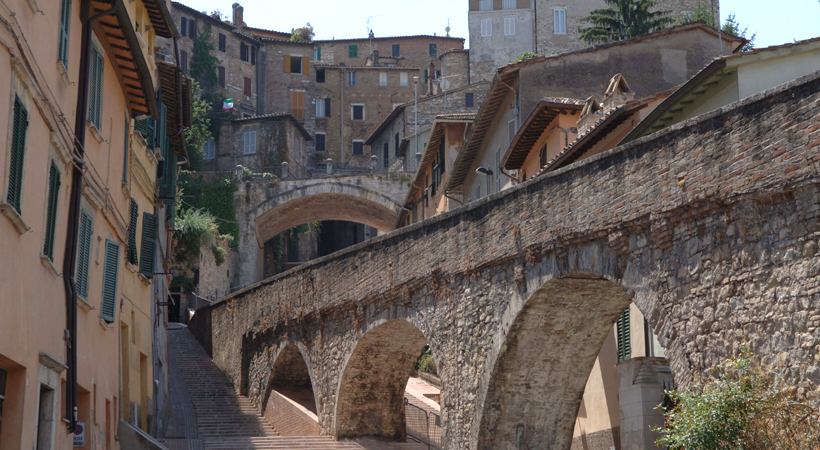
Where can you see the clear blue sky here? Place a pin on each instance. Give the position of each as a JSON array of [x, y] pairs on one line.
[[776, 22]]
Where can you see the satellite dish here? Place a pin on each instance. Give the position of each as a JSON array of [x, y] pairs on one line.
[[444, 84]]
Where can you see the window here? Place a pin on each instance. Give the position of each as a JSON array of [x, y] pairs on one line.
[[509, 26], [110, 275], [386, 151], [511, 130], [192, 28], [320, 142], [358, 147], [433, 50], [486, 27], [183, 26], [295, 64], [249, 147], [223, 43], [4, 375], [542, 157], [18, 153], [404, 79], [209, 150], [65, 20], [320, 75], [353, 51], [247, 87], [183, 60], [624, 337], [396, 50], [468, 100], [560, 20], [317, 53], [297, 104], [509, 4], [382, 78], [325, 108], [84, 253], [351, 78], [51, 210], [220, 71], [244, 52], [396, 143], [357, 112], [483, 5], [95, 88]]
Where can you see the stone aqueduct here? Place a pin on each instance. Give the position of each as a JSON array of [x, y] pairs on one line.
[[709, 227]]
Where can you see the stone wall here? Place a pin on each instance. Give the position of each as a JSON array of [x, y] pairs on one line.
[[456, 68], [289, 418], [710, 227], [414, 50]]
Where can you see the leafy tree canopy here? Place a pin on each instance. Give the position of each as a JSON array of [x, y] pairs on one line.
[[303, 34], [705, 14], [624, 19]]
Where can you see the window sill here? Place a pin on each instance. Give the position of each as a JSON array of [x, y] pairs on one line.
[[49, 266], [131, 267], [91, 196], [144, 279], [140, 138], [105, 325], [83, 304], [95, 132], [62, 151], [64, 73], [153, 157], [15, 218]]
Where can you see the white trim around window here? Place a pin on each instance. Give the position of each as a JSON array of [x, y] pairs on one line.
[[486, 27], [249, 143], [559, 16], [509, 26]]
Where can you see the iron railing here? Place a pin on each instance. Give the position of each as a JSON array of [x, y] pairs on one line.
[[422, 426]]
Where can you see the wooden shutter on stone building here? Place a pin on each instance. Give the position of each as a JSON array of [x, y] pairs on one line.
[[287, 64], [149, 235], [110, 275], [306, 66], [131, 254]]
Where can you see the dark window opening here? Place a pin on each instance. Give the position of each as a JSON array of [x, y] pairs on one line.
[[397, 144], [221, 75], [386, 155], [468, 99], [320, 142], [320, 76], [223, 43], [358, 112], [296, 64], [358, 147], [433, 50]]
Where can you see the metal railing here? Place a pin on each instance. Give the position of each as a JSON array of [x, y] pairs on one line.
[[422, 426]]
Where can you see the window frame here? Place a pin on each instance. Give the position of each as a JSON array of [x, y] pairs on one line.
[[351, 78], [506, 4], [320, 73], [353, 107], [14, 194], [383, 79], [483, 5], [64, 32], [299, 66], [209, 154], [353, 147], [469, 100], [353, 51], [84, 239], [509, 26], [395, 50], [247, 137], [323, 140], [432, 50], [223, 43], [486, 27], [404, 79], [562, 13]]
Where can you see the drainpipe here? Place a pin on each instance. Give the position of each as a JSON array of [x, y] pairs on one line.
[[74, 212]]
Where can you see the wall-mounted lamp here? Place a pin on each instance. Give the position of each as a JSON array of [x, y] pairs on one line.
[[484, 170]]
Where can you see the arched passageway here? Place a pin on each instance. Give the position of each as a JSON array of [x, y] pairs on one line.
[[542, 368], [370, 399], [289, 403]]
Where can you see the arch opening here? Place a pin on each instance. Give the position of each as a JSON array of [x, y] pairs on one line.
[[371, 396], [289, 403], [537, 384]]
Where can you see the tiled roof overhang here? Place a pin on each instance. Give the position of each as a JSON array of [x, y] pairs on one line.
[[160, 18], [542, 115], [123, 48], [176, 96]]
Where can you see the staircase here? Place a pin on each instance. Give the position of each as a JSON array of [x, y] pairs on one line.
[[223, 419]]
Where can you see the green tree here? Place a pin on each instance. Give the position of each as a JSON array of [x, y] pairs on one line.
[[624, 19], [203, 62], [705, 14], [303, 34], [200, 131]]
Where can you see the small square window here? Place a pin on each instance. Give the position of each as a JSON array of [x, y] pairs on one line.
[[485, 5], [320, 75], [486, 27], [358, 112], [396, 50], [296, 64], [358, 147], [560, 21], [468, 100], [509, 26], [353, 51], [433, 50], [404, 79], [382, 78], [509, 4]]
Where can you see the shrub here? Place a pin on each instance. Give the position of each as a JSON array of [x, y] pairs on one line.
[[741, 408]]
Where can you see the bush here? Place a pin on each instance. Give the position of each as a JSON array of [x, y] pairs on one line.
[[526, 55], [741, 408], [425, 363]]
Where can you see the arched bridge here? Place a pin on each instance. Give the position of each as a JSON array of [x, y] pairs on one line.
[[710, 228], [267, 209]]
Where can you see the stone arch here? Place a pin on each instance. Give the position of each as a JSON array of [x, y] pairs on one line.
[[370, 396], [324, 200], [289, 402]]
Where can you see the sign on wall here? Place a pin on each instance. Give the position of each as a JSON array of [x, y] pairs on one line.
[[79, 435]]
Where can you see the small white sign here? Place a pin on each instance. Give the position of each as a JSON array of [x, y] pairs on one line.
[[79, 435]]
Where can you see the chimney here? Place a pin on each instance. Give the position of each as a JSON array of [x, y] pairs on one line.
[[238, 11], [376, 58]]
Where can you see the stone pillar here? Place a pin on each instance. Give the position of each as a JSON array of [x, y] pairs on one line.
[[374, 161], [329, 166], [285, 170], [641, 382], [239, 171]]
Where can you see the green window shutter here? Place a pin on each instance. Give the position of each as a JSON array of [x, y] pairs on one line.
[[149, 236], [51, 212], [132, 234], [18, 150], [125, 151], [110, 274], [65, 20], [396, 50], [84, 254], [624, 337], [95, 91], [318, 52], [145, 127], [353, 51], [169, 192]]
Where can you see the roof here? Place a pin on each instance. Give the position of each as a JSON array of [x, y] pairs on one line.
[[456, 117], [454, 50], [400, 108], [712, 78], [342, 66], [263, 30], [507, 74], [124, 47], [431, 150], [160, 18], [229, 26], [544, 112], [277, 116], [415, 36]]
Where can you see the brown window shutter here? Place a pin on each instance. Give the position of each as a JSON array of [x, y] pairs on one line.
[[221, 76], [306, 65], [287, 64], [247, 87]]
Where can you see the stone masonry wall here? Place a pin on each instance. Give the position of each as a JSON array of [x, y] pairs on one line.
[[710, 227]]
